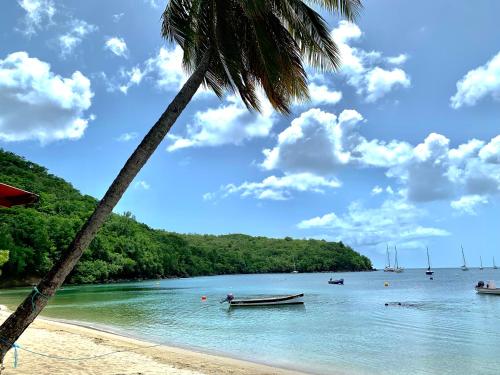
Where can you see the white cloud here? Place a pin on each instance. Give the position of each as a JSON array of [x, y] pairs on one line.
[[478, 83], [125, 137], [380, 81], [37, 104], [362, 68], [167, 65], [468, 203], [276, 188], [142, 185], [321, 94], [229, 123], [316, 142], [70, 40], [377, 190], [394, 220], [398, 60], [38, 14], [117, 17], [117, 46]]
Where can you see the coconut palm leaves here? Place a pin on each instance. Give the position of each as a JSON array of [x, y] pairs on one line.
[[256, 44]]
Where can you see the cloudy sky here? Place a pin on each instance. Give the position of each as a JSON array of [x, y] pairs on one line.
[[400, 147]]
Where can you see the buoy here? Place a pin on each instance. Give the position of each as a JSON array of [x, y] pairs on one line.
[[386, 283], [203, 298]]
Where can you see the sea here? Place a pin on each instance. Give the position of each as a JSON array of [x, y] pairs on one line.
[[376, 323]]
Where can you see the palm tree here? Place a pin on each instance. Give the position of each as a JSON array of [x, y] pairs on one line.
[[229, 45]]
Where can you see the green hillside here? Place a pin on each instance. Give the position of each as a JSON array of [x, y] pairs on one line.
[[126, 249]]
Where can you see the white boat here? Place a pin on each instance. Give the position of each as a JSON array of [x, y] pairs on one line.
[[429, 272], [464, 266], [494, 265], [293, 299], [490, 288], [388, 267], [397, 269]]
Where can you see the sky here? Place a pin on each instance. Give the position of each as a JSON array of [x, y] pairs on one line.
[[400, 147]]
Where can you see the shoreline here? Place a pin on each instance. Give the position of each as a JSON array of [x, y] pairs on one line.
[[118, 354]]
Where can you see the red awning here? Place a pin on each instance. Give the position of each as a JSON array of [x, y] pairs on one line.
[[11, 196]]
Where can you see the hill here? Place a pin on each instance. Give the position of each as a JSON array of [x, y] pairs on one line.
[[34, 236]]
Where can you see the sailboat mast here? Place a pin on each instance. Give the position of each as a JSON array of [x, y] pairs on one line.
[[463, 255], [396, 264], [388, 259], [481, 260], [494, 265], [428, 259]]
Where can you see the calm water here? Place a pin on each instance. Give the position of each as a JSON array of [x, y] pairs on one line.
[[445, 328]]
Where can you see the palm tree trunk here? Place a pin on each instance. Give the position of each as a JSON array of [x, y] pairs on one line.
[[29, 309]]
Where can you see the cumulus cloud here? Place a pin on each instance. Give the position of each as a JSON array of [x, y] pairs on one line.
[[276, 188], [69, 41], [363, 69], [321, 94], [37, 104], [316, 142], [478, 83], [394, 220], [117, 46], [167, 65], [38, 14], [229, 123]]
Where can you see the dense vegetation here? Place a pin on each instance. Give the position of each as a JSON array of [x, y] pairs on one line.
[[125, 249]]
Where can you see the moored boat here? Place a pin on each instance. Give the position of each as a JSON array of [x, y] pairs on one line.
[[429, 272], [464, 266], [397, 269], [388, 267], [292, 299], [336, 282]]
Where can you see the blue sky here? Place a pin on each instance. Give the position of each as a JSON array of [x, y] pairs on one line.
[[399, 147]]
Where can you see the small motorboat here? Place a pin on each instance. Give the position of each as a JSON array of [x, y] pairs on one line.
[[489, 288], [293, 299], [336, 282]]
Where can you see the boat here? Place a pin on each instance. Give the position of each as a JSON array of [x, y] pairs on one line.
[[494, 265], [397, 269], [481, 260], [292, 299], [336, 282], [388, 267], [490, 288], [464, 266], [294, 267], [429, 272]]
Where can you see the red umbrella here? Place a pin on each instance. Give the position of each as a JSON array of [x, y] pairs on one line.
[[11, 196]]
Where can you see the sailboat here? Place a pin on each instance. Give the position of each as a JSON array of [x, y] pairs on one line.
[[388, 267], [481, 260], [464, 266], [429, 271], [294, 267], [494, 265], [397, 269]]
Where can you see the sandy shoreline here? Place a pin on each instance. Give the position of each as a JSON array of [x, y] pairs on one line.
[[129, 356]]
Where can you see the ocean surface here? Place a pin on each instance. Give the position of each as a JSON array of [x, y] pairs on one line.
[[441, 327]]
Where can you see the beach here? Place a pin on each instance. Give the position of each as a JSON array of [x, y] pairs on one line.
[[129, 356]]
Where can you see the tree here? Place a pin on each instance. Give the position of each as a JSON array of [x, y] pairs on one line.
[[229, 45]]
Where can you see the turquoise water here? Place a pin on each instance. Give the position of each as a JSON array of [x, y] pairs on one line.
[[443, 327]]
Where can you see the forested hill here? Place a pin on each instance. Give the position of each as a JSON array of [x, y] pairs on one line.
[[126, 249]]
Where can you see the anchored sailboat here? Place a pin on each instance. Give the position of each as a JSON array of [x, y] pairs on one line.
[[481, 260], [397, 269], [464, 266], [494, 265], [429, 271], [388, 267]]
